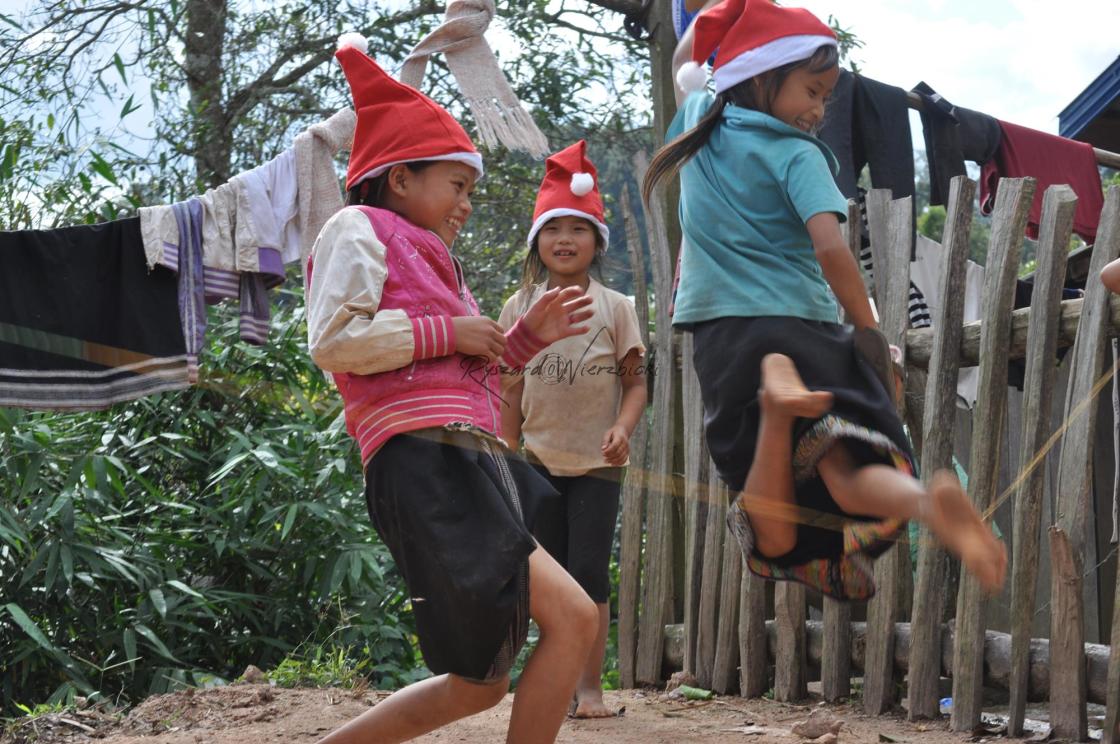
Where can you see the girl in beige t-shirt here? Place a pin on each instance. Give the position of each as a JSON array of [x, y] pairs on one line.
[[576, 404]]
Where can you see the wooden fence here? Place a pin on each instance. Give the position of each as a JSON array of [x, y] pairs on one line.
[[743, 635]]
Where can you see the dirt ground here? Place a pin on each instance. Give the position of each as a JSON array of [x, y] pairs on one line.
[[258, 713]]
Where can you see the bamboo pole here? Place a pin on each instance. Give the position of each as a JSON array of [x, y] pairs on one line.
[[657, 574], [937, 450], [1058, 206], [636, 483], [1013, 204]]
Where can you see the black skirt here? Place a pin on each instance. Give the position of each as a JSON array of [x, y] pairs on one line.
[[455, 510], [833, 548]]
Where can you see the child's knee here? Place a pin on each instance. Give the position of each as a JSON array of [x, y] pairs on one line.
[[476, 696]]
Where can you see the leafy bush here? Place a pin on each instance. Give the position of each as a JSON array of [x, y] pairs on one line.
[[173, 540]]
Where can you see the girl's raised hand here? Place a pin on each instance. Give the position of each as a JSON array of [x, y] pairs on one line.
[[558, 313]]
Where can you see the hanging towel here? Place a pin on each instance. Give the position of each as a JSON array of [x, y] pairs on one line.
[[953, 134], [1051, 160], [268, 211], [500, 117], [160, 235], [83, 322], [320, 195], [192, 295]]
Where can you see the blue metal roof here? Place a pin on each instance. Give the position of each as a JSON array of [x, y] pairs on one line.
[[1101, 95]]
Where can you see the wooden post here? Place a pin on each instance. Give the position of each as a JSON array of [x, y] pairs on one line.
[[710, 594], [1013, 202], [1112, 696], [836, 669], [724, 677], [891, 229], [1068, 718], [657, 585], [937, 450], [696, 496], [791, 672], [636, 483], [1075, 477], [753, 651], [1058, 207]]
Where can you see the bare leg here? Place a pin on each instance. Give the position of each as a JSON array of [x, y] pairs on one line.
[[767, 495], [568, 621], [589, 691], [883, 491], [419, 708]]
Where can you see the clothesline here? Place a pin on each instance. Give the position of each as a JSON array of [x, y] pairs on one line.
[[1104, 157]]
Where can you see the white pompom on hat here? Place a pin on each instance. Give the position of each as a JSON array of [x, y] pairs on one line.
[[570, 188]]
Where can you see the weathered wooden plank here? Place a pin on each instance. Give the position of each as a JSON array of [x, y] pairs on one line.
[[696, 499], [1058, 206], [1013, 202], [890, 223], [1068, 718], [919, 340], [791, 664], [836, 677], [1067, 629], [1112, 694], [710, 593], [657, 574], [753, 652], [997, 656], [725, 669], [636, 483], [836, 650], [636, 253], [937, 449]]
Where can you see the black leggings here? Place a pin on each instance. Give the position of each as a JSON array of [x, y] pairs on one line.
[[577, 529]]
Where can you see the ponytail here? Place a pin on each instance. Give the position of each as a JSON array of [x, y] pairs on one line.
[[671, 158]]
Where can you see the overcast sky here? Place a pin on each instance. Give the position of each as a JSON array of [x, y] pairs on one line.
[[1018, 60]]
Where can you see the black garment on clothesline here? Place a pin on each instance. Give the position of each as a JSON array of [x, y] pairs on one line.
[[83, 323], [868, 123], [953, 134]]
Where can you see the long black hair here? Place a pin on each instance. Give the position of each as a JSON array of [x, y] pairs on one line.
[[371, 191], [757, 93]]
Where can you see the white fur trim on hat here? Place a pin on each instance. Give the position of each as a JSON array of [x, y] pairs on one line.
[[538, 223], [691, 77], [581, 184], [354, 40], [780, 51], [472, 159]]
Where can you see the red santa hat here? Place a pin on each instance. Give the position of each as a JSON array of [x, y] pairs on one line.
[[570, 188], [396, 123], [752, 37]]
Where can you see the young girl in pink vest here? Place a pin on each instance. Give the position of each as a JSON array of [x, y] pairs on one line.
[[390, 316], [599, 377]]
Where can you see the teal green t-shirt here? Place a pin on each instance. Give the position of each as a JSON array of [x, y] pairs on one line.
[[745, 198]]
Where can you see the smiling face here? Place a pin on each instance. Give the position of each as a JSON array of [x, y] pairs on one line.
[[801, 99], [437, 198], [567, 248]]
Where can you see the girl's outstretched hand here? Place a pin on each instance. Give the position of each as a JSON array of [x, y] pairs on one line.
[[558, 313]]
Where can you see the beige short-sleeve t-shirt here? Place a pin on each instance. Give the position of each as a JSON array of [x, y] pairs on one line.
[[573, 389]]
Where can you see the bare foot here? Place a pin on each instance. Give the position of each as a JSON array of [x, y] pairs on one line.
[[953, 519], [783, 392], [589, 704]]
